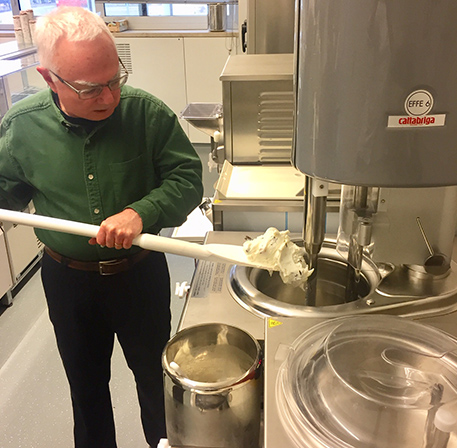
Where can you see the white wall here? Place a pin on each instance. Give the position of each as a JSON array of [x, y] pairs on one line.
[[180, 70]]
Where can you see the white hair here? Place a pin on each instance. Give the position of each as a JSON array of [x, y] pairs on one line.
[[73, 23]]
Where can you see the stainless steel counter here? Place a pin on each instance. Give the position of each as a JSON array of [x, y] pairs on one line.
[[279, 334], [209, 300]]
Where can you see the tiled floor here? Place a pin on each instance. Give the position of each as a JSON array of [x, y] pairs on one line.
[[35, 409]]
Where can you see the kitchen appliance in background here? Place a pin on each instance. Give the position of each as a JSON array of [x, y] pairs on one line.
[[258, 108], [257, 97], [207, 117], [258, 188], [269, 27]]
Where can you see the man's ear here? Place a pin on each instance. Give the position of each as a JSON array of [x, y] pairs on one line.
[[44, 72]]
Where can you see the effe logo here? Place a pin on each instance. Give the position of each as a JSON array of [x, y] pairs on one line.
[[418, 104]]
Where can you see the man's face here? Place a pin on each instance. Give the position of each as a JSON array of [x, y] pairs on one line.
[[83, 65]]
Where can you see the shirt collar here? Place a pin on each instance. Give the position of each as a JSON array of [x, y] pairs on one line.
[[88, 125]]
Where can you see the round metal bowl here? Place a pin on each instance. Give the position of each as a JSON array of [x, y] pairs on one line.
[[267, 295]]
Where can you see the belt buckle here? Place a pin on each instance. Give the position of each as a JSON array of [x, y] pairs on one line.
[[104, 266]]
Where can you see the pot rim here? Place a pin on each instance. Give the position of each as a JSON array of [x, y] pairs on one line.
[[206, 387]]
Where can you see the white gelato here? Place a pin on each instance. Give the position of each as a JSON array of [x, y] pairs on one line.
[[275, 249]]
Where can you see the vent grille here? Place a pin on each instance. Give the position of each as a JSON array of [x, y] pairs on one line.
[[123, 50], [275, 126]]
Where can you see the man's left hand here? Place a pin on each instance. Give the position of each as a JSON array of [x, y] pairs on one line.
[[119, 230]]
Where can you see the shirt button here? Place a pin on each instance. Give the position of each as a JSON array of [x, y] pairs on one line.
[[96, 211], [90, 176]]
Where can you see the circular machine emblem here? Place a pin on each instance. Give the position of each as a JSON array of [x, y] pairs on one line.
[[419, 103]]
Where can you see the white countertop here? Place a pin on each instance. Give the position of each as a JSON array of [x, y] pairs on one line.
[[174, 33]]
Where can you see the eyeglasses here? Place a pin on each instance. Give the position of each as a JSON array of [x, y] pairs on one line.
[[97, 89]]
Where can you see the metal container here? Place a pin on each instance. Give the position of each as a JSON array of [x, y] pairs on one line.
[[206, 117], [383, 288], [212, 382], [217, 16], [270, 26], [268, 295]]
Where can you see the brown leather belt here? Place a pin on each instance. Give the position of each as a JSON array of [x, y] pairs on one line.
[[107, 267]]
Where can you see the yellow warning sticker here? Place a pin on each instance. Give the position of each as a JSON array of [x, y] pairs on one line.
[[273, 323]]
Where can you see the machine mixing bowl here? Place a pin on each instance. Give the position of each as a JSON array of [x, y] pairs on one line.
[[382, 289], [265, 294]]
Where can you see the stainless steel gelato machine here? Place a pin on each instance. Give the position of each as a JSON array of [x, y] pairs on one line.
[[375, 105]]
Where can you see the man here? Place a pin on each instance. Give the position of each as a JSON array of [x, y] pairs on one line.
[[91, 149]]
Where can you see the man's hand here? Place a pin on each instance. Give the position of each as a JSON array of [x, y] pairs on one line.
[[119, 230]]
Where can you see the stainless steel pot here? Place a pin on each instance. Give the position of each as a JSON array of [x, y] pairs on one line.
[[212, 383]]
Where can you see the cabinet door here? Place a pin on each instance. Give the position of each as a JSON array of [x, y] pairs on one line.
[[23, 247], [205, 59], [157, 67]]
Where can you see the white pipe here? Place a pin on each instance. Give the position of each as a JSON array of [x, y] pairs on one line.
[[44, 222], [146, 241]]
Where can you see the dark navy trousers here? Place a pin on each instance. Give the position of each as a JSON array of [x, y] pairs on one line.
[[87, 310]]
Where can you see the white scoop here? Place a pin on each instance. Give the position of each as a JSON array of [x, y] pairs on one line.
[[211, 252]]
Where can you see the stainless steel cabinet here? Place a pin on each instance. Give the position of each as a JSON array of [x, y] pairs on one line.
[[258, 108]]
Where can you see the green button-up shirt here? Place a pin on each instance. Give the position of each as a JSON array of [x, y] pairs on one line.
[[138, 158]]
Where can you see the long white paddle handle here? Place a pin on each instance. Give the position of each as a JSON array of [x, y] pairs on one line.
[[146, 241]]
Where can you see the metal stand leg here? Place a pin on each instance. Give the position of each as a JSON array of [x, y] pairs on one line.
[[7, 299]]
